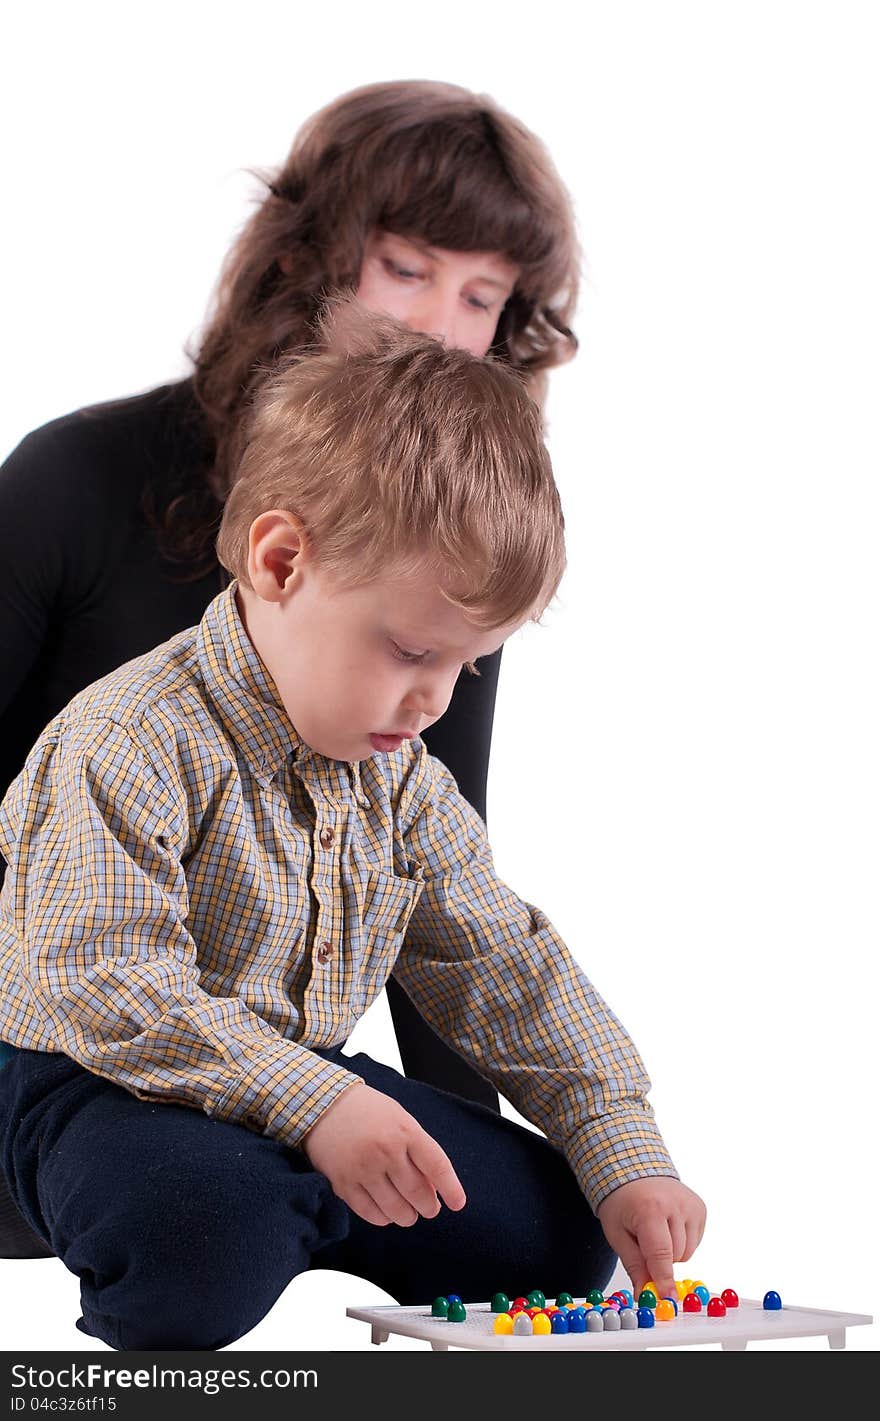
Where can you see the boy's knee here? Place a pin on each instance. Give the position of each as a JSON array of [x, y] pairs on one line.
[[198, 1261]]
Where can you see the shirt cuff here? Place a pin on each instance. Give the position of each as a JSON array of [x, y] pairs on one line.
[[284, 1092], [618, 1148]]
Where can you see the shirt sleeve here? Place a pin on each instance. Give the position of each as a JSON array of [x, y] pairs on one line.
[[492, 976], [96, 902]]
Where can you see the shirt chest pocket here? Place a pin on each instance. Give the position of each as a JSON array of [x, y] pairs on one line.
[[387, 906]]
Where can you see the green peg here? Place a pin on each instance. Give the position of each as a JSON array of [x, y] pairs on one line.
[[457, 1312], [439, 1307], [536, 1299], [564, 1299], [647, 1299], [595, 1296], [500, 1302]]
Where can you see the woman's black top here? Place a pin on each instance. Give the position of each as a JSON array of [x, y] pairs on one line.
[[85, 587]]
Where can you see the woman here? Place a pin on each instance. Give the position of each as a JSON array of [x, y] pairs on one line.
[[434, 205]]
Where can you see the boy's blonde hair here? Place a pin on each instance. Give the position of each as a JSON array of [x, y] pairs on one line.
[[400, 456]]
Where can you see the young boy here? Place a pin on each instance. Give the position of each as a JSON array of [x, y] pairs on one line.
[[217, 854]]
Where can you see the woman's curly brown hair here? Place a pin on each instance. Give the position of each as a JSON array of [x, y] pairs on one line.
[[418, 158]]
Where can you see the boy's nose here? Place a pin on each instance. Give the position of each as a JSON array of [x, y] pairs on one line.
[[428, 703]]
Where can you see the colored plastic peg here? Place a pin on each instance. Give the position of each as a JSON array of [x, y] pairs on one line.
[[500, 1302], [439, 1307], [772, 1302]]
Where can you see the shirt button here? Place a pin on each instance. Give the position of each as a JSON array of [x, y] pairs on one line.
[[325, 952], [326, 838]]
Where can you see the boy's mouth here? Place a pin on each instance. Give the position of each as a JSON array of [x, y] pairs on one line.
[[390, 742]]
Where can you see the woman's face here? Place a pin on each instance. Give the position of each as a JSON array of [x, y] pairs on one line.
[[454, 296]]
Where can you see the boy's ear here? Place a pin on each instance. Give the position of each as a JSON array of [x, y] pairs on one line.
[[276, 543]]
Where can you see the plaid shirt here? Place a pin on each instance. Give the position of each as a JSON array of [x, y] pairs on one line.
[[195, 899]]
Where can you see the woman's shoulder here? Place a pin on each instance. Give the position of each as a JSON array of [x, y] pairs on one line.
[[123, 439]]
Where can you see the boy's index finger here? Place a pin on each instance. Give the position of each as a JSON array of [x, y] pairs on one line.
[[436, 1165], [655, 1241]]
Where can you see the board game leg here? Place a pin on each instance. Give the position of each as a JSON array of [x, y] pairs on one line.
[[737, 1344], [378, 1335], [440, 1346], [837, 1339]]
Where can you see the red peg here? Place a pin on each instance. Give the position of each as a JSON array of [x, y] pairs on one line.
[[729, 1298], [716, 1308], [691, 1303]]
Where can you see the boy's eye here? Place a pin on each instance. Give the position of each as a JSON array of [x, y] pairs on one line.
[[411, 656], [416, 657]]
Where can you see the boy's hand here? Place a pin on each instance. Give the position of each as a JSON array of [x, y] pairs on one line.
[[652, 1223], [380, 1161]]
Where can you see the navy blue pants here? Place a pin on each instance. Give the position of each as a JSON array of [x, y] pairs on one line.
[[184, 1231]]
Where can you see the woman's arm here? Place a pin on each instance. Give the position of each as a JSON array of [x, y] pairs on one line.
[[83, 585], [32, 515], [461, 739]]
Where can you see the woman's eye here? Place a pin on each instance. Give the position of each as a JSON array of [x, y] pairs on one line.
[[401, 271], [406, 275]]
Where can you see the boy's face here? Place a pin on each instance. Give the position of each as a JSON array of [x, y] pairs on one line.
[[374, 660]]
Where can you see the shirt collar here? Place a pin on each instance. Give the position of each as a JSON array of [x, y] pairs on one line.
[[243, 691], [247, 698]]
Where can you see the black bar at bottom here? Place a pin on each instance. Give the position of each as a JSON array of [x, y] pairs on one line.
[[353, 1386]]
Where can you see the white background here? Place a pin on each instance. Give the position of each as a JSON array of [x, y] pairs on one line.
[[685, 768]]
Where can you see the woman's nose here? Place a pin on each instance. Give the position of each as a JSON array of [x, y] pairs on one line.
[[435, 315]]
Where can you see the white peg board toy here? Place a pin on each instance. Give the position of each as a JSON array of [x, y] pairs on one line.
[[750, 1321]]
